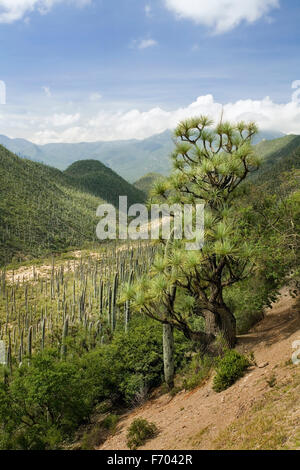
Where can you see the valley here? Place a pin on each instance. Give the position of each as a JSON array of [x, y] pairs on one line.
[[71, 306]]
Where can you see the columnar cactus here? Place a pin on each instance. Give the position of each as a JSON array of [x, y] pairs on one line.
[[64, 337]]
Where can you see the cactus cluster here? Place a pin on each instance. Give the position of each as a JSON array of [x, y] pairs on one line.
[[76, 302]]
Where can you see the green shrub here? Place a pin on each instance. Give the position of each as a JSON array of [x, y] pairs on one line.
[[132, 363], [43, 404], [197, 371], [229, 369], [110, 422], [99, 432], [139, 432], [93, 438], [272, 381]]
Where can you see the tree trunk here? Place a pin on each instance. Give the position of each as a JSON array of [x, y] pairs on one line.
[[221, 322], [168, 347], [227, 326], [201, 339], [212, 324]]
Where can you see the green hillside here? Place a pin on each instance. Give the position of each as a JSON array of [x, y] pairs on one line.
[[146, 182], [44, 210], [40, 210], [95, 178], [274, 151], [274, 171]]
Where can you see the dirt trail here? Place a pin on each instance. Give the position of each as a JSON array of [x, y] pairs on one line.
[[28, 273], [193, 420]]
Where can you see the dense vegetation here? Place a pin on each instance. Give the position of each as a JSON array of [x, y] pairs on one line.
[[95, 178], [40, 210], [44, 210], [72, 344], [147, 181], [277, 150], [46, 400], [251, 239]]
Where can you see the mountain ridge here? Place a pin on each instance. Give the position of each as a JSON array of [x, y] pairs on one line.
[[131, 159]]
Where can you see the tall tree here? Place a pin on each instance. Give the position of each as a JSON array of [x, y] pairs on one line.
[[209, 166]]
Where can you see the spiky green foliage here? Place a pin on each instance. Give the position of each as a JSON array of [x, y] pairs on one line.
[[209, 166], [192, 290], [146, 182]]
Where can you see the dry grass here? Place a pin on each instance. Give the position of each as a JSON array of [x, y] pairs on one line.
[[271, 424], [197, 439]]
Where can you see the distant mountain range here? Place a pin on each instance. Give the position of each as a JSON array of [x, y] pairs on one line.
[[131, 159]]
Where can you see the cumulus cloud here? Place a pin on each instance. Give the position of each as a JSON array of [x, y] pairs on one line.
[[144, 43], [142, 124], [13, 10], [62, 120], [221, 15]]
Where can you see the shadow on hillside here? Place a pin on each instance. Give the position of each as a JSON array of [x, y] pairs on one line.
[[281, 322]]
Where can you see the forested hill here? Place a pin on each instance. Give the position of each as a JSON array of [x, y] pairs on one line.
[[44, 210], [95, 178], [146, 182], [278, 152]]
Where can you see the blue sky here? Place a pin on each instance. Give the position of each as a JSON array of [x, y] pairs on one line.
[[100, 70]]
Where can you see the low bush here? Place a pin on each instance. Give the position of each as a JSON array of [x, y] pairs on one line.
[[110, 422], [229, 369], [197, 371], [98, 434], [139, 432]]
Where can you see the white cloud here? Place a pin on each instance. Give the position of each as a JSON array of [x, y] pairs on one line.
[[142, 124], [82, 124], [62, 120], [143, 43], [221, 15], [95, 96], [47, 91], [13, 10]]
